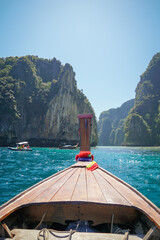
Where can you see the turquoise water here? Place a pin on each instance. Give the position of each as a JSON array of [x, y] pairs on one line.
[[140, 167]]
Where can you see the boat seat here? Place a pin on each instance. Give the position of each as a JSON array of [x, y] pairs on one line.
[[25, 234]]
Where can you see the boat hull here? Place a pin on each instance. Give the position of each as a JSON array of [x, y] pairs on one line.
[[66, 147], [76, 194], [19, 150]]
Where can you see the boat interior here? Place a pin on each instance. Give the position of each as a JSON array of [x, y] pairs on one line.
[[81, 217]]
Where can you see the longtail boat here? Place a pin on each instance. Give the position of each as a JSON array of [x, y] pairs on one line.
[[65, 146], [84, 201], [21, 146]]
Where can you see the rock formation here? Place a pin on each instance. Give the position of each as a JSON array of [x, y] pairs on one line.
[[142, 126], [111, 125], [39, 102]]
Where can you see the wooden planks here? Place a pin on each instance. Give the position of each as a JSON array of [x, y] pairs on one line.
[[133, 196], [111, 194], [80, 190], [32, 194], [64, 193], [94, 192], [48, 194]]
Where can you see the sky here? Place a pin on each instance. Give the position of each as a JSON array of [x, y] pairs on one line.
[[109, 43]]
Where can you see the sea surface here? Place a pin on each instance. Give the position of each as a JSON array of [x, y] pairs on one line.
[[140, 167]]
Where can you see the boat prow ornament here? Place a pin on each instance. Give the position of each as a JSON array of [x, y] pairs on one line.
[[84, 156]]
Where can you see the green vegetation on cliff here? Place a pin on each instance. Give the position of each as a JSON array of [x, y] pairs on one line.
[[142, 126], [111, 125], [39, 101], [22, 91]]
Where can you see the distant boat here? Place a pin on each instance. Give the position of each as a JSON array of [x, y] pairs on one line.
[[69, 146], [21, 146], [80, 202]]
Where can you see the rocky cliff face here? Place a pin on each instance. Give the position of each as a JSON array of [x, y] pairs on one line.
[[142, 126], [111, 125], [39, 102]]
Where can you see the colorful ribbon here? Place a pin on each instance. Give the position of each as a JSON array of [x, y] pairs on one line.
[[92, 166]]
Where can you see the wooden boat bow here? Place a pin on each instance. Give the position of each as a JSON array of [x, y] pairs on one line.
[[78, 194], [78, 185]]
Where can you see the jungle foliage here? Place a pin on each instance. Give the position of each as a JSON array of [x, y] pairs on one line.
[[142, 126], [111, 125], [30, 89], [24, 82]]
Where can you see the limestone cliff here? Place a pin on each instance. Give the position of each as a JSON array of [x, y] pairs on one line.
[[142, 126], [39, 102], [111, 125]]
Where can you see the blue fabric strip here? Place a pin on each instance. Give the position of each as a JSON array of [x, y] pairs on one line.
[[88, 159]]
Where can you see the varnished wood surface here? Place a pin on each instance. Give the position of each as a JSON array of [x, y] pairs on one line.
[[76, 183], [85, 128]]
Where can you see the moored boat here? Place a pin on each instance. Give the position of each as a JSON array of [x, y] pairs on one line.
[[81, 202], [65, 146], [21, 146]]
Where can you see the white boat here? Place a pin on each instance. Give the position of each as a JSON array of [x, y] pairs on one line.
[[21, 146], [65, 146]]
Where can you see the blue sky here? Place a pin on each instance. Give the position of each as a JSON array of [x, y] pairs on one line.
[[109, 43]]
